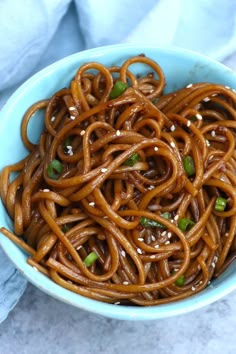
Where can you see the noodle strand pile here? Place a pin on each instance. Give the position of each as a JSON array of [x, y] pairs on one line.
[[130, 195]]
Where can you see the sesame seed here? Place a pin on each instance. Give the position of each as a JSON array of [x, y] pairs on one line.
[[156, 246], [169, 234], [199, 267], [227, 87], [226, 234], [45, 190], [141, 239], [206, 99], [208, 142], [151, 187], [152, 256], [82, 132], [172, 221], [188, 123], [190, 85], [72, 108], [176, 217], [172, 128], [213, 265], [200, 282], [176, 269], [123, 253], [215, 259], [53, 118], [199, 116], [139, 251], [153, 207], [172, 144], [92, 204], [213, 133], [163, 233], [103, 170], [69, 148], [153, 238], [79, 247], [35, 269], [72, 117], [155, 148], [125, 282], [167, 242], [118, 133], [193, 288], [117, 303], [209, 283]]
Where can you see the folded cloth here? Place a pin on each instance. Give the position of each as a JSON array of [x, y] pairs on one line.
[[12, 286], [27, 28], [34, 34]]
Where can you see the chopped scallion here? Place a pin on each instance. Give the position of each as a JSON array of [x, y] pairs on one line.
[[118, 89], [90, 259], [65, 228], [180, 280], [166, 215], [155, 100], [220, 204], [54, 169], [132, 160], [185, 224], [189, 165], [67, 142], [152, 223]]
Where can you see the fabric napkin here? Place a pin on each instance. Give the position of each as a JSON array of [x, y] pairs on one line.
[[34, 34]]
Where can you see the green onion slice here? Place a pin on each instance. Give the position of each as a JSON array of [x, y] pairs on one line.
[[65, 228], [185, 224], [220, 204], [67, 142], [189, 165], [54, 169], [155, 100], [152, 223], [132, 160], [118, 89], [90, 259], [180, 280]]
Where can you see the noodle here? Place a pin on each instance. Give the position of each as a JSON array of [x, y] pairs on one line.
[[129, 197]]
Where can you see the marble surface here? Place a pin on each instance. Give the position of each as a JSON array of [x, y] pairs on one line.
[[40, 324]]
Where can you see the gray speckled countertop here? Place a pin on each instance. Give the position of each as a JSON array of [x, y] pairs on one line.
[[40, 324]]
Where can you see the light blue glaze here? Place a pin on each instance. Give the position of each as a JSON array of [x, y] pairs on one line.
[[181, 67]]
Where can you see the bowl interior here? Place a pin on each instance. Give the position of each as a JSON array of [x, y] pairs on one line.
[[181, 68]]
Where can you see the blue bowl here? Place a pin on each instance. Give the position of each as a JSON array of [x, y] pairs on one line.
[[181, 67]]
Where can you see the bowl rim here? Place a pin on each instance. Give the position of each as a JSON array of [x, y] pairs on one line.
[[122, 312]]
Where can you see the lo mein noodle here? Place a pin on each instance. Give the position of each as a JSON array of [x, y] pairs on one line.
[[130, 195]]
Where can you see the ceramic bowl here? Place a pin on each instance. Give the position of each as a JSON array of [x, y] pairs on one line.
[[181, 67]]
